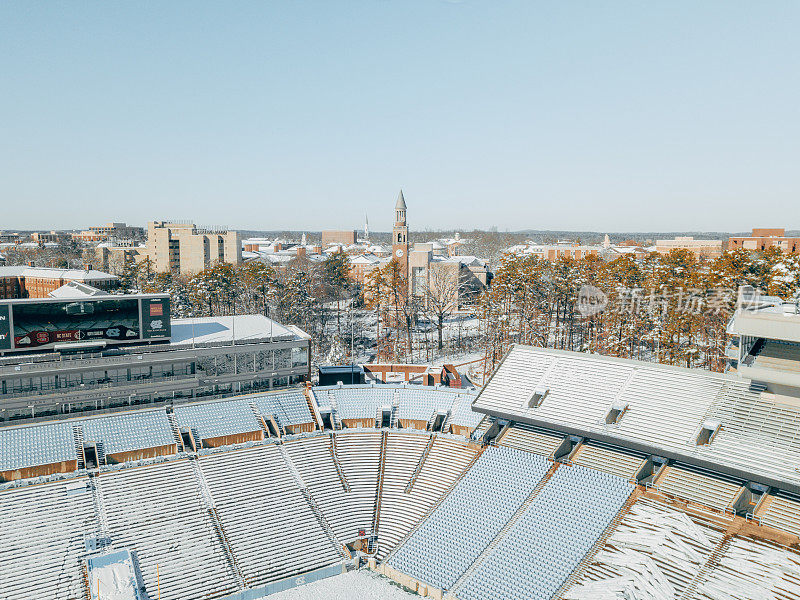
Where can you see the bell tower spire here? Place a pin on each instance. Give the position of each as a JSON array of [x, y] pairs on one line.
[[400, 234]]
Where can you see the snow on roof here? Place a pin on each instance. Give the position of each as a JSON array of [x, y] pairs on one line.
[[365, 259], [75, 289], [666, 408], [219, 330], [48, 273]]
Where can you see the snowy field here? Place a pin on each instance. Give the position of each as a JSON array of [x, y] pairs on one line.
[[355, 585]]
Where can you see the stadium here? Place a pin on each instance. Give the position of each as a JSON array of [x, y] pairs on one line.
[[568, 476]]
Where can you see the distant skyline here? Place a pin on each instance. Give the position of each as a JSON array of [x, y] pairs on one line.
[[573, 116]]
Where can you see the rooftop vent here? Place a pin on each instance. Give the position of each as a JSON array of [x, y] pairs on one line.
[[615, 414], [707, 432], [539, 394]]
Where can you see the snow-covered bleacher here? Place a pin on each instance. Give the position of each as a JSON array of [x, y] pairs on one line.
[[691, 485], [42, 538], [345, 509], [782, 513], [416, 402], [289, 407], [410, 490], [355, 401], [441, 549], [614, 462], [359, 456], [36, 445], [272, 530], [557, 530], [129, 432], [655, 552], [217, 419], [524, 437], [439, 510], [158, 511]]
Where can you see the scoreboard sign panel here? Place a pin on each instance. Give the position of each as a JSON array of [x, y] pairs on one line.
[[155, 318], [5, 327], [43, 324]]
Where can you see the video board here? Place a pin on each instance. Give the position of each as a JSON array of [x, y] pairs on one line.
[[41, 325]]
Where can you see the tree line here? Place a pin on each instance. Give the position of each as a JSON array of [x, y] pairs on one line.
[[668, 308]]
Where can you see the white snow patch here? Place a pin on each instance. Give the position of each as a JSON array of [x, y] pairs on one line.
[[117, 582], [355, 585]]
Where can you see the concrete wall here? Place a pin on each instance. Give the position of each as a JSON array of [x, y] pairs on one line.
[[410, 583]]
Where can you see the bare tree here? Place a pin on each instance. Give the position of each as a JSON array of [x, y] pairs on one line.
[[441, 297]]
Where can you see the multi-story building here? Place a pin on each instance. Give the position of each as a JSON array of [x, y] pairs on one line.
[[346, 238], [49, 237], [765, 342], [454, 282], [38, 282], [700, 248], [553, 252], [185, 248], [10, 237], [762, 239], [101, 233], [577, 251], [78, 355]]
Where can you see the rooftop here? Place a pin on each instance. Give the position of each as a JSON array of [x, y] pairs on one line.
[[220, 330], [660, 410], [48, 273]]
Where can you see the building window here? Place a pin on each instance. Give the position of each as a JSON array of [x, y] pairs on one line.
[[419, 281]]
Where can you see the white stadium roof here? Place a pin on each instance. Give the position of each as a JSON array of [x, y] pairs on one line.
[[664, 410], [218, 330]]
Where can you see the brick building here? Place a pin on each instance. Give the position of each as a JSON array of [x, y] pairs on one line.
[[38, 282], [761, 239]]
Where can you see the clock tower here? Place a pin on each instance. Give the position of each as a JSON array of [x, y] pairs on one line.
[[400, 234]]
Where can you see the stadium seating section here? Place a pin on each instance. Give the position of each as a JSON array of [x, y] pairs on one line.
[[445, 514]]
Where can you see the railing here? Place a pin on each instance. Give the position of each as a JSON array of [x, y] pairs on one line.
[[40, 362], [117, 384]]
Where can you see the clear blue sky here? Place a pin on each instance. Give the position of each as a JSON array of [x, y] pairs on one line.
[[606, 116]]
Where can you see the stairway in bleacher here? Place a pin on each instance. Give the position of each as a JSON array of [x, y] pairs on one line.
[[335, 456], [446, 423], [102, 537], [482, 428], [420, 464], [336, 420], [505, 529], [710, 564], [395, 412], [219, 531], [379, 486], [262, 422], [311, 400], [312, 503], [434, 506], [176, 432], [77, 432]]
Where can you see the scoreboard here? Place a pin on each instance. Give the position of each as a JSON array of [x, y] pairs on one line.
[[44, 323]]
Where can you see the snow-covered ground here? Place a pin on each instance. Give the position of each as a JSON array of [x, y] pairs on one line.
[[355, 585], [359, 334]]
